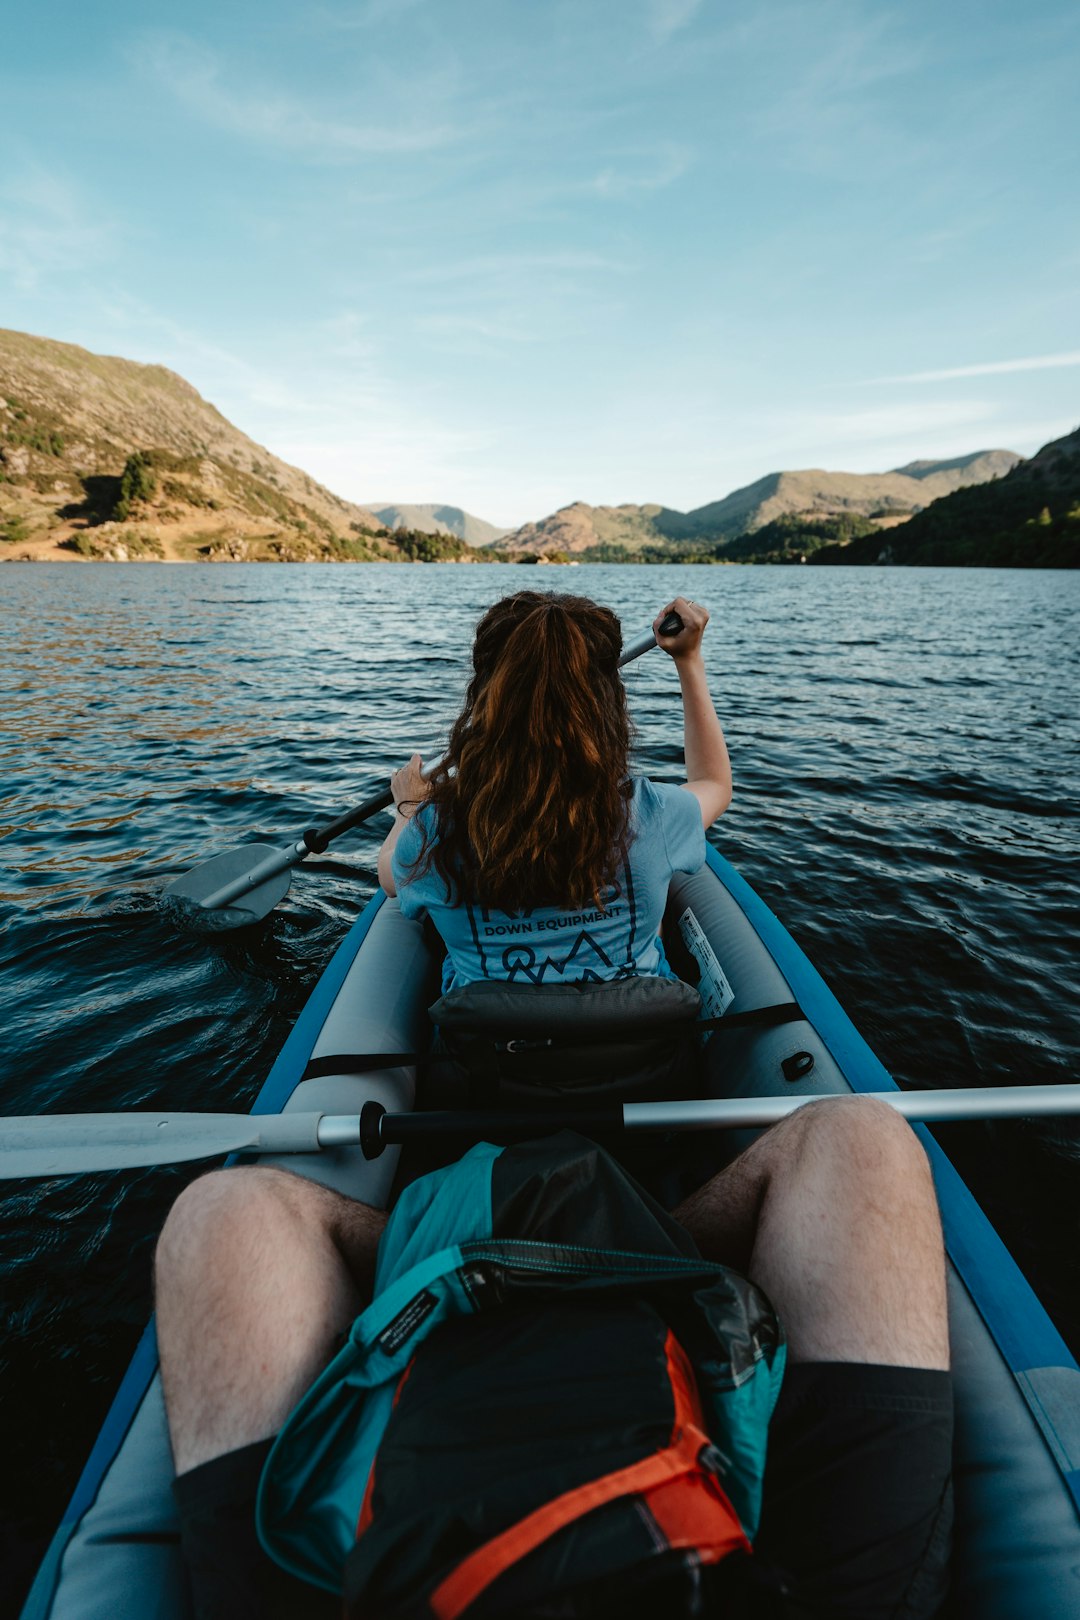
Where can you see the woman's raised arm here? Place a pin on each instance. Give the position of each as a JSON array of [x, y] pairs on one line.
[[409, 788], [708, 769]]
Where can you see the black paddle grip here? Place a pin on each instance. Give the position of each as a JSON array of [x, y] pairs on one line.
[[671, 625], [378, 1129]]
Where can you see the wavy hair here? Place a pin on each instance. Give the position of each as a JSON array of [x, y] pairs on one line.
[[531, 799]]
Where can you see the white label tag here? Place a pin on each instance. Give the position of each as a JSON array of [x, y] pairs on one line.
[[715, 992]]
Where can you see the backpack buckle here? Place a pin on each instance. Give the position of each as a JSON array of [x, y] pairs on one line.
[[518, 1044], [713, 1460]]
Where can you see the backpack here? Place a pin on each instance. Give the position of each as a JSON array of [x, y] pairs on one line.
[[550, 1395]]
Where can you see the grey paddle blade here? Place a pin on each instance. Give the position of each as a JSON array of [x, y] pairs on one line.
[[240, 874], [67, 1144]]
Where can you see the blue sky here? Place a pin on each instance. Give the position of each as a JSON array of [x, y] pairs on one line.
[[512, 253]]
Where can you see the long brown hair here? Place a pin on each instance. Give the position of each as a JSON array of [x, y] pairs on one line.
[[531, 798]]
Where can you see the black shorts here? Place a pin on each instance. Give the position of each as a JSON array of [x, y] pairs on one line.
[[856, 1523], [857, 1512]]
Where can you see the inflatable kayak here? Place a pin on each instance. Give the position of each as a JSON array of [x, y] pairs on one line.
[[116, 1554]]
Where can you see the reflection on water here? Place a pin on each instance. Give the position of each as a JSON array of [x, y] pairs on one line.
[[905, 753]]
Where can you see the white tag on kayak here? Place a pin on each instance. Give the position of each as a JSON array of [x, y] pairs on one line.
[[713, 988]]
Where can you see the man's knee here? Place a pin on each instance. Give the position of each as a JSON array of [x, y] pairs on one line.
[[214, 1213], [865, 1137]]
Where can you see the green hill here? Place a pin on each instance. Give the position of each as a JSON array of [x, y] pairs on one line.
[[1028, 519], [103, 457]]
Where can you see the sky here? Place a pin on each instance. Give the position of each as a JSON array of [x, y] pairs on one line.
[[508, 254]]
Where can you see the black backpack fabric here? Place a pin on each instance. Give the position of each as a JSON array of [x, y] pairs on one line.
[[520, 1463], [551, 1400]]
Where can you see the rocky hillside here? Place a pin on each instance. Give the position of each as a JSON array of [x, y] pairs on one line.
[[578, 527], [884, 497], [101, 457], [1030, 518], [440, 520]]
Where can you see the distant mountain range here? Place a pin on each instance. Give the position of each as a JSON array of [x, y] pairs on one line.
[[812, 494], [103, 458], [440, 520]]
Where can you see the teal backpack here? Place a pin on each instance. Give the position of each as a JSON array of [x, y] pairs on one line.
[[551, 1392]]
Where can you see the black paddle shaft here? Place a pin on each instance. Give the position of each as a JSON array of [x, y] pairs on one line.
[[378, 1129], [317, 838]]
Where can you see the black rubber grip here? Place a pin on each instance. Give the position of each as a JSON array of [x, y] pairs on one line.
[[378, 1128]]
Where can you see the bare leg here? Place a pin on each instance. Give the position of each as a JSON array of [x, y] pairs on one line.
[[258, 1273], [832, 1213]]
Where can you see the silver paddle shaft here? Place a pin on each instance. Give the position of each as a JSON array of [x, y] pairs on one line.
[[281, 861], [640, 644], [980, 1102], [67, 1144]]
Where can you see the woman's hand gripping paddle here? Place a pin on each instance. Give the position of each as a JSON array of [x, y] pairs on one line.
[[242, 885]]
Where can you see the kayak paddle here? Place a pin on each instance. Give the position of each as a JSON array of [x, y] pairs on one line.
[[69, 1144], [240, 886]]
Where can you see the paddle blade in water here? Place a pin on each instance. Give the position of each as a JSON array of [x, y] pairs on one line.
[[202, 883]]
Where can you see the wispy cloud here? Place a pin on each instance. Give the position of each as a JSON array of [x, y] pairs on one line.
[[831, 71], [990, 368], [46, 227], [667, 17], [466, 329], [193, 74], [411, 457], [364, 14], [827, 436], [634, 172], [497, 265], [216, 371]]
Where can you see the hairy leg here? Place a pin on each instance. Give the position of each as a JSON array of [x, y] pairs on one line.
[[833, 1214], [258, 1272]]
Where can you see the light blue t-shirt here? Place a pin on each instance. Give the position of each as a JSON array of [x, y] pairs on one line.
[[546, 945]]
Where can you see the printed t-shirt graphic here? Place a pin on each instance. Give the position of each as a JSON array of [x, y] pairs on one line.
[[545, 944]]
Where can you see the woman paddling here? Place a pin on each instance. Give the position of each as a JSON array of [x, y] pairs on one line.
[[535, 853]]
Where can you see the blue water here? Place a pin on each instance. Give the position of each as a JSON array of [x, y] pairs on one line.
[[905, 747]]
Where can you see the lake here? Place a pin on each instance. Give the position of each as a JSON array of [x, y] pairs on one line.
[[905, 750]]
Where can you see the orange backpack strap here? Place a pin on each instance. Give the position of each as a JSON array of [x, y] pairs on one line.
[[367, 1506], [687, 1504]]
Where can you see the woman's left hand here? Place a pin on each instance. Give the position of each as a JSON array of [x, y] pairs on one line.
[[409, 786]]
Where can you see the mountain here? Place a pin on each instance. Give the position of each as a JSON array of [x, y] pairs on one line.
[[825, 494], [1030, 518], [103, 457], [811, 493], [440, 520], [577, 527]]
